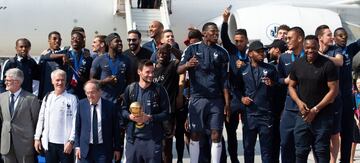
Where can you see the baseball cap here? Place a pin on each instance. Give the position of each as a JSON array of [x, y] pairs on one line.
[[256, 45], [278, 44]]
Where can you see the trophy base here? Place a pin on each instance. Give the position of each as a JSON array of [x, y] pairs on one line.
[[139, 125]]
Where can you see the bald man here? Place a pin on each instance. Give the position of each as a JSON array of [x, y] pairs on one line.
[[155, 30]]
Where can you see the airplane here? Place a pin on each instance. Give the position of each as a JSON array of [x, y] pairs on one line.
[[34, 19]]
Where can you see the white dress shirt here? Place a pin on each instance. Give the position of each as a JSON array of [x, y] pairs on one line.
[[98, 111]]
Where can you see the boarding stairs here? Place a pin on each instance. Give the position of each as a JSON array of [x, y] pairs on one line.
[[139, 18]]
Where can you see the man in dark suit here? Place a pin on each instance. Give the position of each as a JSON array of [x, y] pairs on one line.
[[18, 118], [98, 146]]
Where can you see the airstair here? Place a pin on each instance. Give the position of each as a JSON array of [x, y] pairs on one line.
[[139, 18]]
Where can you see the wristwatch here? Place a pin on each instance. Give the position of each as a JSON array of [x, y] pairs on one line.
[[71, 142], [316, 109]]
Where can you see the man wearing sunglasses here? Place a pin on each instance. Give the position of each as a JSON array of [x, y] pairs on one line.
[[136, 53]]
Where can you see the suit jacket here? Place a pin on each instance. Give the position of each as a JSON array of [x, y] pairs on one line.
[[21, 126], [109, 125], [261, 94]]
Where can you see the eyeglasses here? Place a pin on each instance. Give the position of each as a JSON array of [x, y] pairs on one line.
[[133, 39], [10, 80]]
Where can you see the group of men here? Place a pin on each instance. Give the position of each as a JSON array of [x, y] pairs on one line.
[[300, 100], [89, 101]]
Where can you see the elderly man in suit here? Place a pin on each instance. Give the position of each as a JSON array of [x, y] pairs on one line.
[[18, 117], [99, 115]]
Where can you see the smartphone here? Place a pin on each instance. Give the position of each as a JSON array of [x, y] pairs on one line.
[[229, 8]]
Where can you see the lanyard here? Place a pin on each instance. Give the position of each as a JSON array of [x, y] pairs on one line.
[[344, 50], [113, 65], [241, 56], [153, 46], [302, 53], [76, 62]]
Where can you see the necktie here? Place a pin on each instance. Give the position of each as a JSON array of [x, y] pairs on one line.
[[12, 104], [95, 126]]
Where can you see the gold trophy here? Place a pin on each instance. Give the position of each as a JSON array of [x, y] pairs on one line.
[[136, 110], [114, 78]]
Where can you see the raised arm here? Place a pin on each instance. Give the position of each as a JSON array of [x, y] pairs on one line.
[[228, 45]]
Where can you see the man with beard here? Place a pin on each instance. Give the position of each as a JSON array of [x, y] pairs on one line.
[[144, 132], [155, 30], [207, 64], [238, 58], [135, 53], [112, 69], [259, 79], [313, 86], [275, 49], [24, 62]]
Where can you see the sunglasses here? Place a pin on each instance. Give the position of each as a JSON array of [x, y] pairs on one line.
[[133, 40]]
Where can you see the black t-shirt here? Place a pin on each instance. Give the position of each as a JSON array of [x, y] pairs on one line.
[[169, 79], [135, 59], [312, 78]]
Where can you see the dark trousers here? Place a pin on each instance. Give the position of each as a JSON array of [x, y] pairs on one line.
[[169, 127], [347, 128], [316, 135], [138, 3], [262, 126], [143, 151], [97, 154], [144, 4], [55, 153], [276, 140], [232, 143], [287, 143], [147, 3], [181, 116], [151, 3], [167, 151]]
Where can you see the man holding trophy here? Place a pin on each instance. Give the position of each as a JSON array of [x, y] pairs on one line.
[[145, 106]]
